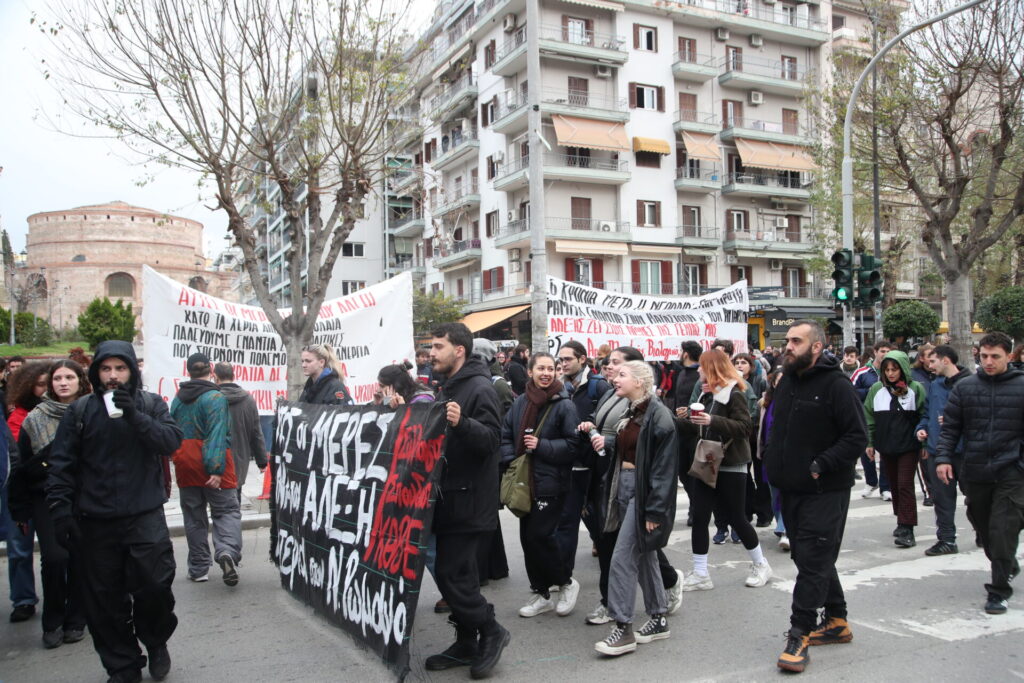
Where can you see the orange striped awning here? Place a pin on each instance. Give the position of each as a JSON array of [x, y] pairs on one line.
[[573, 131], [651, 145], [702, 146], [775, 156]]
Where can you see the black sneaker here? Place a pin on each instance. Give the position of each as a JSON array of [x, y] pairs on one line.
[[927, 502], [656, 628], [132, 676], [73, 635], [942, 548], [54, 638], [227, 565], [905, 539], [159, 662], [460, 653], [995, 604], [494, 638], [22, 613]]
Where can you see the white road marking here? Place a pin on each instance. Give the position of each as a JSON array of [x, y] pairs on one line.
[[969, 628]]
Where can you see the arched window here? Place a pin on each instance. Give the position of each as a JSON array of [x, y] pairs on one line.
[[198, 283], [120, 286]]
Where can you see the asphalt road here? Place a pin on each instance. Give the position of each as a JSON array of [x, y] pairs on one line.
[[913, 617]]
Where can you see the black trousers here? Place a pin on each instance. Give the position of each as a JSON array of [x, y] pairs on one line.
[[996, 510], [729, 498], [127, 570], [491, 561], [545, 566], [815, 523], [457, 577], [62, 594]]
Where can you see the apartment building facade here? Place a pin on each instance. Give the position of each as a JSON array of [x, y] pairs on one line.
[[676, 152]]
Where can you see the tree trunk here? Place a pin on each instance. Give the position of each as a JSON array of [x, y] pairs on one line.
[[958, 299], [293, 346]]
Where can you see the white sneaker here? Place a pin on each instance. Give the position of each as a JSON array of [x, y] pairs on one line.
[[538, 604], [784, 543], [868, 491], [886, 495], [697, 582], [199, 579], [675, 593], [567, 598], [598, 616], [759, 574]]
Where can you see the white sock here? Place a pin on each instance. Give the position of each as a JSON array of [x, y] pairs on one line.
[[756, 555], [700, 564]]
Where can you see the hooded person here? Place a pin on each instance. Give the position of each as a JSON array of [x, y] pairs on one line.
[[246, 437], [205, 471], [486, 349], [105, 492]]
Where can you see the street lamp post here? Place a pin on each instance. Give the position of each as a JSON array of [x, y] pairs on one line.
[[847, 167]]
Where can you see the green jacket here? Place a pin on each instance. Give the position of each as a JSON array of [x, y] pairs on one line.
[[892, 419]]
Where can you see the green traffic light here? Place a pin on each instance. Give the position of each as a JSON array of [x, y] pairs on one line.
[[841, 294]]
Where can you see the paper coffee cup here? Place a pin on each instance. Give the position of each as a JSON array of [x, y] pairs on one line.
[[108, 400], [696, 409]]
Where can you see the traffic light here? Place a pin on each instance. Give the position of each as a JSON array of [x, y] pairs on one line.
[[869, 280], [843, 276]]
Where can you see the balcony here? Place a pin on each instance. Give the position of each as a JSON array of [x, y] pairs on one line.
[[459, 254], [597, 229], [765, 75], [847, 39], [511, 56], [698, 239], [690, 66], [583, 103], [778, 243], [788, 184], [578, 45], [570, 167], [459, 148], [405, 179], [785, 296], [453, 38], [768, 131], [409, 225], [411, 265], [696, 121], [788, 24], [510, 115], [702, 178], [513, 234], [454, 96], [464, 196]]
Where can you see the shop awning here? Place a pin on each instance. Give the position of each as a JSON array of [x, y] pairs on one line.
[[481, 320], [651, 145], [660, 249], [572, 131], [588, 247], [775, 156], [599, 4], [702, 146]]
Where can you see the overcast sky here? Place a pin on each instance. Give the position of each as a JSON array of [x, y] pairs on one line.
[[48, 171]]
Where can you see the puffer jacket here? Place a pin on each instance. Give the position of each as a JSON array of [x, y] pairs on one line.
[[938, 394], [987, 412], [657, 466], [557, 443], [730, 421], [892, 420]]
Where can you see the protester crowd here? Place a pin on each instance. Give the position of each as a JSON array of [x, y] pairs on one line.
[[757, 440]]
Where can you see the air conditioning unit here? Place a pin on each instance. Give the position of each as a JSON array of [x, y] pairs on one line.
[[509, 215], [755, 97], [509, 23], [515, 266], [603, 71], [768, 2], [515, 254], [781, 222], [756, 40], [722, 34], [778, 205], [709, 258], [606, 227], [466, 125], [498, 156], [774, 264], [731, 259]]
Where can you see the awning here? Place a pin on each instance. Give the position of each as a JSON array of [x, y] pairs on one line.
[[775, 156], [481, 320], [654, 249], [572, 131], [651, 145], [588, 247], [599, 4], [702, 146]]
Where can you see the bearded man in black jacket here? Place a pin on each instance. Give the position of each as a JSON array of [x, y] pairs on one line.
[[817, 435]]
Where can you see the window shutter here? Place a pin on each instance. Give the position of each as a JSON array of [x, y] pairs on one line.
[[725, 112], [418, 159], [702, 275], [657, 214], [458, 286], [428, 249], [487, 280], [734, 274], [746, 221], [666, 277], [597, 272], [528, 271], [484, 121], [588, 25], [661, 98], [636, 36], [632, 95], [654, 32], [682, 43], [565, 27], [501, 277], [426, 152], [802, 276], [570, 269], [635, 268], [639, 213]]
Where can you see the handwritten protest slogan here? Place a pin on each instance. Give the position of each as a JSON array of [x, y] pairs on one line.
[[352, 501], [368, 330], [655, 325]]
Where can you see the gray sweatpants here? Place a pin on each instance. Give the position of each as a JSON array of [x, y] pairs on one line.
[[227, 526], [630, 565]]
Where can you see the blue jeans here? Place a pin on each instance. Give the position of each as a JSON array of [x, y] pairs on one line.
[[873, 477], [20, 574]]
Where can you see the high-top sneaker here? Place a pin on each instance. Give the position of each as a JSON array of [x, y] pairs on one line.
[[619, 641], [831, 631], [494, 638], [795, 656], [656, 628]]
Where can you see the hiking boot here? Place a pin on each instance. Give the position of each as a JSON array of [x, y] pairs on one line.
[[656, 628], [538, 604], [494, 638], [227, 566], [567, 595], [697, 582], [831, 631], [675, 593], [720, 536], [159, 662], [995, 604], [619, 641], [460, 653], [759, 575], [795, 655], [905, 537], [598, 616], [942, 548], [54, 638]]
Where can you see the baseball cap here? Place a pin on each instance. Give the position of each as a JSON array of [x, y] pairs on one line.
[[196, 361]]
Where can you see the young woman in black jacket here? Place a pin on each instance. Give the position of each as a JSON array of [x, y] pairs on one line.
[[325, 378], [546, 410]]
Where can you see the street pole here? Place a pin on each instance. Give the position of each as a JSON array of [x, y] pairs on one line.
[[847, 167], [535, 178]]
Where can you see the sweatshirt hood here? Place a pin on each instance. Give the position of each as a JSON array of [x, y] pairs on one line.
[[474, 366], [902, 360], [189, 392], [232, 392], [115, 349]]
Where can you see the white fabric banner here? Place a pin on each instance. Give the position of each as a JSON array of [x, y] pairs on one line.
[[655, 325], [368, 330]]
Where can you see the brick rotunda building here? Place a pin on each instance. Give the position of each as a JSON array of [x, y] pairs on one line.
[[76, 255]]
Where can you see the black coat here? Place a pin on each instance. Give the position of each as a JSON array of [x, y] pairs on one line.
[[657, 466], [468, 493], [557, 444], [517, 377], [987, 413], [682, 386], [111, 467], [328, 390], [586, 397], [817, 418]]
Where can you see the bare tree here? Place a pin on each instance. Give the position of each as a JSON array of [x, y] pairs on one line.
[[296, 93]]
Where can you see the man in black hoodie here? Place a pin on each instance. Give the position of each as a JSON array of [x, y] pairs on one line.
[[106, 493], [817, 434], [467, 503]]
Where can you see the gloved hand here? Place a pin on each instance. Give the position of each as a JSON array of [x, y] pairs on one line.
[[65, 531], [123, 400]]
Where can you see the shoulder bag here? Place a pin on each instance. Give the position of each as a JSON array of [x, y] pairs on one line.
[[708, 457], [515, 490]]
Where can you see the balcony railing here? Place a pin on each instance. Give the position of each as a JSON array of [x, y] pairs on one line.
[[454, 193], [697, 59], [785, 128], [582, 98], [518, 38], [512, 166], [757, 10], [455, 138], [697, 231], [465, 81], [510, 104], [707, 172], [514, 227], [403, 264], [789, 180], [692, 116], [451, 36], [755, 66], [769, 235], [579, 36], [585, 161], [457, 248], [602, 225], [405, 219]]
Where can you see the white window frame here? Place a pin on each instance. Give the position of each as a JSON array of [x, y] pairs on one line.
[[737, 220], [647, 97], [689, 277], [694, 216], [648, 39], [352, 286], [650, 214], [650, 277], [792, 282], [359, 252], [583, 271], [576, 31]]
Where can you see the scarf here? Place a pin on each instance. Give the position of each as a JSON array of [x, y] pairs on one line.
[[536, 397], [41, 424], [634, 412]]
